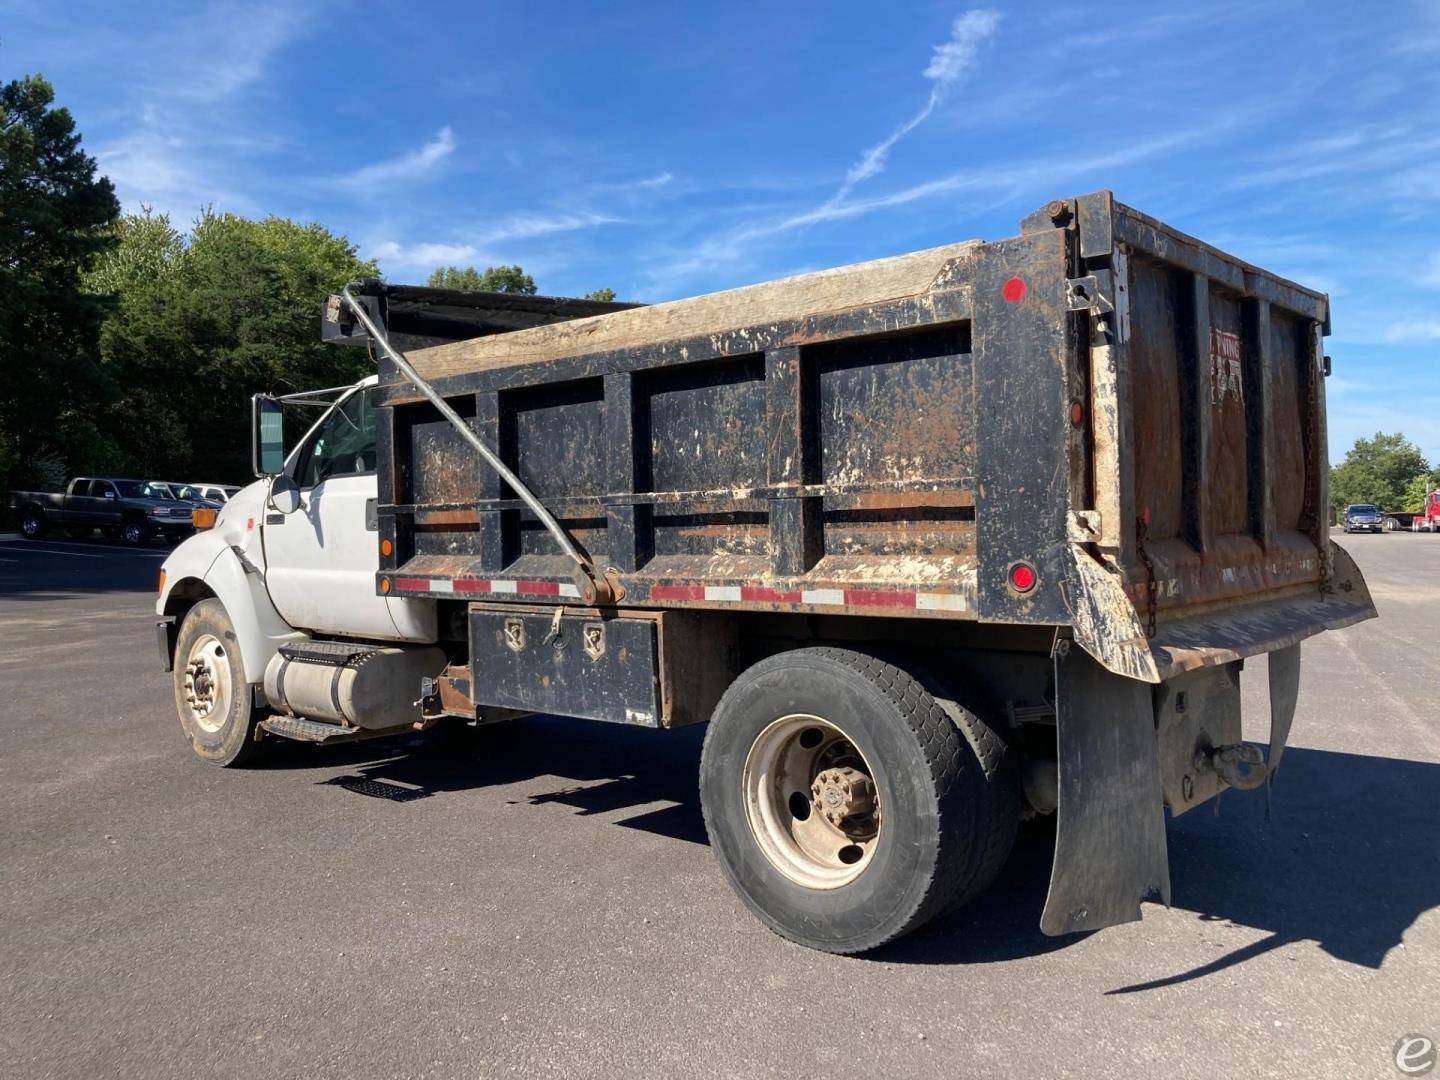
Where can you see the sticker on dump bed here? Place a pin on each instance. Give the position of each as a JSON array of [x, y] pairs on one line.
[[1225, 377]]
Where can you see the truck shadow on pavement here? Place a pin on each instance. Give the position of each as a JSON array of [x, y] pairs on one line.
[[1348, 861]]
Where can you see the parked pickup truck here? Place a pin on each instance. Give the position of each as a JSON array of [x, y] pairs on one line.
[[131, 510], [933, 543]]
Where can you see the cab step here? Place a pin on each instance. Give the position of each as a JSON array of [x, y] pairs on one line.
[[312, 731]]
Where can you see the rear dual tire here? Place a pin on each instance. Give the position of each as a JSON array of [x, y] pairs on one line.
[[929, 792]]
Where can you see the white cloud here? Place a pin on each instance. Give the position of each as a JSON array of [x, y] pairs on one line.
[[183, 150], [951, 60], [477, 247], [657, 181], [1431, 274], [525, 226], [1411, 330], [161, 171], [1007, 180], [407, 167], [426, 256]]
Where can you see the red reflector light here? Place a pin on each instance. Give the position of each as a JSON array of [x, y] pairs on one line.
[[1077, 414], [1013, 290], [1022, 577]]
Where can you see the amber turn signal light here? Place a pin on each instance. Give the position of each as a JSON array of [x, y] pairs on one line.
[[202, 517], [160, 585], [384, 584], [386, 547]]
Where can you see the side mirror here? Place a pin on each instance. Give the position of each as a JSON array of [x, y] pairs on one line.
[[110, 495], [284, 494], [267, 436]]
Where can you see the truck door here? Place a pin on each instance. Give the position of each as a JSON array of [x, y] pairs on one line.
[[321, 561], [98, 503]]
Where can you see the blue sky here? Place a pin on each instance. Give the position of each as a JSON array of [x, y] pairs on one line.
[[671, 149]]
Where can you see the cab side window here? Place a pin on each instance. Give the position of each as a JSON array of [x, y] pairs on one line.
[[343, 445]]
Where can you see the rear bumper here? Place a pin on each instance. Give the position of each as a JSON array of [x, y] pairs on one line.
[[1235, 632]]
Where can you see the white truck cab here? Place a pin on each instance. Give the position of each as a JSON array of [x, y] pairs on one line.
[[285, 576]]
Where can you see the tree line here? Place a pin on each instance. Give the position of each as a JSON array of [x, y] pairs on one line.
[[131, 346], [1386, 470]]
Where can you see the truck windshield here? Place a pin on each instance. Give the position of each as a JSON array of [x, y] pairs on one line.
[[1363, 508]]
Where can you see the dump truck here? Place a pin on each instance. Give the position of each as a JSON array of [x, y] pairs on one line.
[[933, 543]]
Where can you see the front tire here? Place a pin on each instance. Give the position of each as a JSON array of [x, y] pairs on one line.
[[215, 704], [826, 746]]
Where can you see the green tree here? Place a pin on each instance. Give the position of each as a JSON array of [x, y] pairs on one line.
[[55, 215], [203, 321], [501, 279], [605, 295], [1413, 497], [1377, 470]]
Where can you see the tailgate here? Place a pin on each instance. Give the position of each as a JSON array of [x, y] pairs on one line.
[[1209, 461]]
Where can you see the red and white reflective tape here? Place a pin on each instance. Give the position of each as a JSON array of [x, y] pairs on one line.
[[764, 594], [468, 586], [743, 594]]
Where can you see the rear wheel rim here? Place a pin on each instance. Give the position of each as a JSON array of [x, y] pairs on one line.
[[811, 802], [132, 533], [207, 684], [30, 526]]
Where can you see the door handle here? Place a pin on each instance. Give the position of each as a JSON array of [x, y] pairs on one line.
[[274, 519]]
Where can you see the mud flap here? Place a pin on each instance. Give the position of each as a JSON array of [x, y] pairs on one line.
[[1284, 692], [1110, 851]]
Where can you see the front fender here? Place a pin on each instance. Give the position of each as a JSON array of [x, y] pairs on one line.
[[259, 629]]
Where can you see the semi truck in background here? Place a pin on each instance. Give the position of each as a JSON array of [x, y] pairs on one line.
[[933, 543]]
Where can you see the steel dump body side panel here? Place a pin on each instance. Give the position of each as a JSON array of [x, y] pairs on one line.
[[832, 469]]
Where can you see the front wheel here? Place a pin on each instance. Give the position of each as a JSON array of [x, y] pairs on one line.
[[215, 703], [846, 804], [32, 524]]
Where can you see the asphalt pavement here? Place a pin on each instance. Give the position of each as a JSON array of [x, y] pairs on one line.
[[538, 898]]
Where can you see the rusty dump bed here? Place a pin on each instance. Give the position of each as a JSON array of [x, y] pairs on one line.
[[1134, 415]]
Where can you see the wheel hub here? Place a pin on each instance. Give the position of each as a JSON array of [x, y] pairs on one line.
[[811, 800], [200, 687], [844, 795], [206, 684]]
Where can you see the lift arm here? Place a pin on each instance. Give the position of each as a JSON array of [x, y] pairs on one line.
[[595, 588]]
